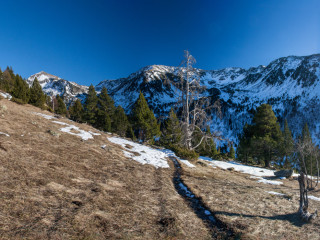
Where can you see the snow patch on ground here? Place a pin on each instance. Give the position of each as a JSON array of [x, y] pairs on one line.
[[269, 182], [94, 134], [44, 115], [147, 155], [314, 198], [2, 133], [5, 95], [69, 128], [170, 153], [255, 171], [276, 193], [142, 154], [74, 130]]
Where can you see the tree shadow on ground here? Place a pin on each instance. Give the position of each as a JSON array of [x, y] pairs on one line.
[[293, 218]]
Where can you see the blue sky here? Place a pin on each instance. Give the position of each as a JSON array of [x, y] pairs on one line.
[[90, 41]]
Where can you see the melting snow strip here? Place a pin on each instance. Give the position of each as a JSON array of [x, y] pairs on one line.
[[70, 129], [314, 198], [144, 154], [44, 115], [276, 193], [269, 182], [2, 133]]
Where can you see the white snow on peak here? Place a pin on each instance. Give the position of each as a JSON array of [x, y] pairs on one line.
[[42, 76]]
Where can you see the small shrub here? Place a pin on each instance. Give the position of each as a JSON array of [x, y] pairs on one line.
[[3, 108], [185, 153]]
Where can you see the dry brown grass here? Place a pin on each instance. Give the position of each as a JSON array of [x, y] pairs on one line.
[[59, 187], [247, 207]]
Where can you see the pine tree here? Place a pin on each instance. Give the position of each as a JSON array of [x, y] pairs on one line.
[[61, 108], [37, 97], [120, 123], [105, 102], [288, 145], [7, 82], [266, 136], [172, 132], [105, 111], [144, 121], [244, 150], [90, 106], [76, 111], [130, 133], [21, 89], [232, 153]]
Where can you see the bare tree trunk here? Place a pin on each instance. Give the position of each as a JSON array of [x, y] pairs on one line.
[[303, 208]]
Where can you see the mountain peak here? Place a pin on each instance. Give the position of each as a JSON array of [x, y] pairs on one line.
[[42, 76]]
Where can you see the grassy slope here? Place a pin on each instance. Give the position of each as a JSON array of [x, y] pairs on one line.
[[248, 208], [59, 187]]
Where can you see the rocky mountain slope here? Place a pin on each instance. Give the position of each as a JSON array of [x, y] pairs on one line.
[[290, 84], [53, 85]]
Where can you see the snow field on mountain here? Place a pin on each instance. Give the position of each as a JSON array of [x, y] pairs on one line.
[[146, 155]]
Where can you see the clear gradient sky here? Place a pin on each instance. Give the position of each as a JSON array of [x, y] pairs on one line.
[[90, 41]]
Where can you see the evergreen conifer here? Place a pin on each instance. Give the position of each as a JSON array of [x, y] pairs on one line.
[[76, 111], [172, 132], [144, 122], [90, 106], [120, 123], [288, 145], [61, 108], [232, 153], [37, 97]]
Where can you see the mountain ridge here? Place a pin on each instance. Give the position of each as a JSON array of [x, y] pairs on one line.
[[290, 84]]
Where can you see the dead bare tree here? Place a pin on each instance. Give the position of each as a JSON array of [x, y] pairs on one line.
[[196, 109], [306, 149]]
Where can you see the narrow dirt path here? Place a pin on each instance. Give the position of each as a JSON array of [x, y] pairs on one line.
[[219, 229]]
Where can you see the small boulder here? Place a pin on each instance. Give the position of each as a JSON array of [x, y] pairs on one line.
[[287, 173], [231, 169]]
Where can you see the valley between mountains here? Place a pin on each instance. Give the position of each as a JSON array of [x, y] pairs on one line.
[[64, 180]]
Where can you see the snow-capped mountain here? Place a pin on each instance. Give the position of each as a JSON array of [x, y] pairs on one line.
[[290, 84], [53, 85]]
